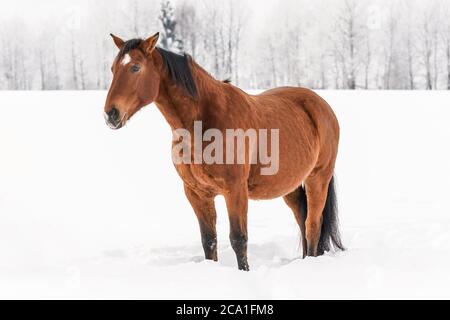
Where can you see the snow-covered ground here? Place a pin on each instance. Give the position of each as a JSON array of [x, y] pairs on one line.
[[86, 212]]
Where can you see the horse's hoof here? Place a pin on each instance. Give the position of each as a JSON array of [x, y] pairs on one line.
[[244, 267], [311, 252], [212, 257]]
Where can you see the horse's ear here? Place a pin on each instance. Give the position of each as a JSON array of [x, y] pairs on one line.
[[119, 42], [150, 44]]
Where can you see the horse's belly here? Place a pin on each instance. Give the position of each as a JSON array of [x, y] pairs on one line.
[[265, 187]]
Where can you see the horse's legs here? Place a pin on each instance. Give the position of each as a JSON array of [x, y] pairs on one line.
[[294, 201], [237, 205], [205, 211], [316, 192]]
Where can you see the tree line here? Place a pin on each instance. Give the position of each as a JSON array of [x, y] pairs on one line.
[[322, 44]]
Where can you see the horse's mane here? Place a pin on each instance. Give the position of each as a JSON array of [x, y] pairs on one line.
[[177, 65], [179, 70]]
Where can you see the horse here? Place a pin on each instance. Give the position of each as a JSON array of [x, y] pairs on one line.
[[144, 73]]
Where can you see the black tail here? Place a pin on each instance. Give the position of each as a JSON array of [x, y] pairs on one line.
[[330, 235]]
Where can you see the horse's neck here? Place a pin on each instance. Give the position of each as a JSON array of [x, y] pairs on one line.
[[174, 111], [178, 108]]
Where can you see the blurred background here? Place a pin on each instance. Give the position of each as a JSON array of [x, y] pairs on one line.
[[322, 44]]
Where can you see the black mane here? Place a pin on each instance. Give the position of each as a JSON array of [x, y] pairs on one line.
[[177, 65], [179, 70]]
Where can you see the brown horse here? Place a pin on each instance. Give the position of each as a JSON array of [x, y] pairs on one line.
[[186, 93]]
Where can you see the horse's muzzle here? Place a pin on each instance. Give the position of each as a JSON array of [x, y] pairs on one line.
[[113, 119]]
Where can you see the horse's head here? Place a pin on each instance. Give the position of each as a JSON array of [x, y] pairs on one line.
[[136, 80]]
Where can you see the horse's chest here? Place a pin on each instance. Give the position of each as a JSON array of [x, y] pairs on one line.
[[196, 176]]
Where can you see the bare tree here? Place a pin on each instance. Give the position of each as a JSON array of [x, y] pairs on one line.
[[367, 59], [428, 37], [445, 34], [389, 46], [188, 26], [410, 60], [73, 55], [273, 66], [347, 41]]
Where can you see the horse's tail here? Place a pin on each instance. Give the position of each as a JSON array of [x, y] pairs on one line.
[[329, 235]]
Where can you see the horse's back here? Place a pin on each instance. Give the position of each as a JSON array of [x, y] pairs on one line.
[[316, 108]]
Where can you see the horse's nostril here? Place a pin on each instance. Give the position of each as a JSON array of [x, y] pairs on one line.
[[113, 114]]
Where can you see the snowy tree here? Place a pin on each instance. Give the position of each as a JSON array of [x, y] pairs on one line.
[[445, 34], [169, 38], [348, 42], [188, 27], [428, 37], [48, 64]]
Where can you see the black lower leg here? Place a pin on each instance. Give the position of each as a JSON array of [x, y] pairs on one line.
[[312, 250], [237, 205], [239, 245], [209, 242]]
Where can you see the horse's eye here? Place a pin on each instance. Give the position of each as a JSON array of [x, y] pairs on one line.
[[135, 68]]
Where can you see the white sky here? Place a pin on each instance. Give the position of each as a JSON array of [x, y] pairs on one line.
[[37, 10], [32, 10]]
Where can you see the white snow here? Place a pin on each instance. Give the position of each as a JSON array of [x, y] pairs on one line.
[[87, 212]]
